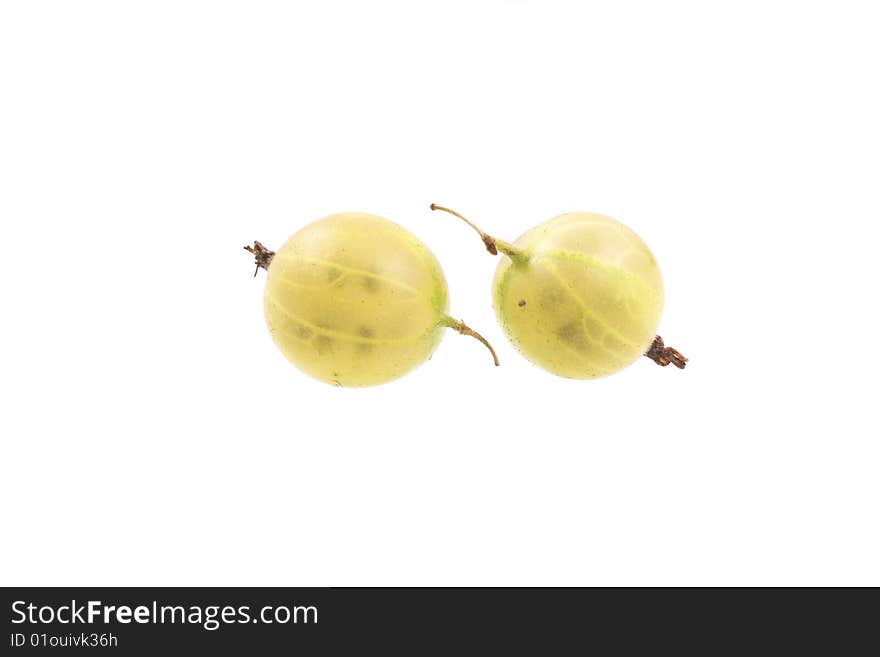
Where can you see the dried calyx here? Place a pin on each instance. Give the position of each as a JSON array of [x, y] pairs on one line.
[[262, 255]]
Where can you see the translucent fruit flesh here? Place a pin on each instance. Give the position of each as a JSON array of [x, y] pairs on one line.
[[585, 299], [355, 300]]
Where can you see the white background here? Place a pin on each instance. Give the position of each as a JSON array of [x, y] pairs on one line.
[[152, 434]]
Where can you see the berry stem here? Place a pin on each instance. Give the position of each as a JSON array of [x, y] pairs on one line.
[[493, 244], [464, 329], [262, 256], [663, 355]]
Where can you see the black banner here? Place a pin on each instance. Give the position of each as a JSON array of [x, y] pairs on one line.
[[128, 621]]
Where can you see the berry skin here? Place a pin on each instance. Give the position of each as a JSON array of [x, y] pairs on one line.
[[355, 300], [579, 295]]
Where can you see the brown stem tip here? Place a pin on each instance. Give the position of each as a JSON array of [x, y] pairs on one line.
[[262, 256], [663, 355], [488, 240], [464, 329]]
